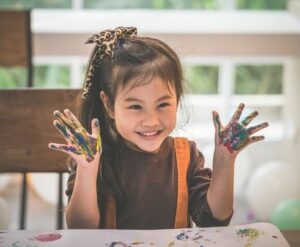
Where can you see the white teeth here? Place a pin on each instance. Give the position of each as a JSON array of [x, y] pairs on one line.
[[149, 133]]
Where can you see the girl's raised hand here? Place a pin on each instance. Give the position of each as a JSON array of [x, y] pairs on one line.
[[85, 148], [236, 136]]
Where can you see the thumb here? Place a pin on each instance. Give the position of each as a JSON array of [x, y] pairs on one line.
[[95, 128], [217, 122], [96, 132]]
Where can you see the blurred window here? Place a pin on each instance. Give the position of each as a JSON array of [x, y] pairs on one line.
[[262, 4], [153, 4], [201, 79], [147, 4], [45, 76], [25, 4], [13, 77], [258, 79], [52, 76], [222, 84]]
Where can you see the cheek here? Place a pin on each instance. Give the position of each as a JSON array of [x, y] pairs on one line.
[[123, 122], [122, 127], [170, 117]]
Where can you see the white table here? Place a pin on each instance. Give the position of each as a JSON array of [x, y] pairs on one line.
[[254, 235]]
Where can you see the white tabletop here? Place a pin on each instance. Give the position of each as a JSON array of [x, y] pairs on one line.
[[254, 235]]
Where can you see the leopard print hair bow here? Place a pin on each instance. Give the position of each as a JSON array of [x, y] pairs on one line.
[[105, 41]]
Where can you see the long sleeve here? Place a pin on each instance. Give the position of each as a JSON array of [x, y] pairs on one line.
[[198, 183]]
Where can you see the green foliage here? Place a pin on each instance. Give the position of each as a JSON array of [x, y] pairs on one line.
[[258, 79], [153, 4], [56, 76], [29, 4], [262, 4], [201, 79], [12, 77], [145, 4]]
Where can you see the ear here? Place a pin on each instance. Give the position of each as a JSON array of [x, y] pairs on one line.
[[107, 104]]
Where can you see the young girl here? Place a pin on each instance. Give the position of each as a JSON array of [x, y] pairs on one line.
[[135, 176]]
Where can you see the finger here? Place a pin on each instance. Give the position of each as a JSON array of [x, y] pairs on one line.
[[95, 127], [249, 118], [64, 148], [251, 140], [63, 130], [256, 128], [73, 119], [96, 133], [236, 116], [217, 122], [79, 129], [64, 120], [256, 139]]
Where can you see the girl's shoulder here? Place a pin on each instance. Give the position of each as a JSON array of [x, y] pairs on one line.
[[196, 158], [192, 144]]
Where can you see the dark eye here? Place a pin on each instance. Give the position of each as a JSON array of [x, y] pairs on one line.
[[135, 107], [162, 105]]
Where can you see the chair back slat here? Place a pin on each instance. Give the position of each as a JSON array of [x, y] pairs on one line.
[[26, 128], [15, 41]]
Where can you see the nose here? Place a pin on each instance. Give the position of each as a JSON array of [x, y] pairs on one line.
[[151, 119]]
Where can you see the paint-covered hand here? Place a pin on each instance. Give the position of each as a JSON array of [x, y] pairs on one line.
[[81, 145], [236, 136]]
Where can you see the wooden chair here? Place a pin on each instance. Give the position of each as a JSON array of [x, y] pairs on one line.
[[16, 41], [16, 51], [26, 128]]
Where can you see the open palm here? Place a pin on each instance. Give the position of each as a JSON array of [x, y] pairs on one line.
[[235, 136], [80, 144]]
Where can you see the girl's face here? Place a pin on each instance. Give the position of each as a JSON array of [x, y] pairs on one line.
[[146, 114]]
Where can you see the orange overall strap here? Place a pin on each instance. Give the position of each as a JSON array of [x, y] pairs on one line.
[[183, 160], [110, 213]]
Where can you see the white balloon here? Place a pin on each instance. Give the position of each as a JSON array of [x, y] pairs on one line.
[[242, 167], [270, 184], [4, 181], [46, 186], [4, 215]]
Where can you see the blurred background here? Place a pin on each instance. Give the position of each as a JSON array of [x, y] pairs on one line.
[[232, 51]]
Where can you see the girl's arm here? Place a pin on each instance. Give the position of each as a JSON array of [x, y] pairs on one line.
[[229, 141], [85, 149], [82, 210], [220, 192]]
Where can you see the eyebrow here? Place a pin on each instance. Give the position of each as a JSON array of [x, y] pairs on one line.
[[130, 99]]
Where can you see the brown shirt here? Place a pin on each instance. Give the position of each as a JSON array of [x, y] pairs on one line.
[[151, 188]]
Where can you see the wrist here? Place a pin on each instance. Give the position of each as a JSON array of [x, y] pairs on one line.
[[88, 171], [223, 159]]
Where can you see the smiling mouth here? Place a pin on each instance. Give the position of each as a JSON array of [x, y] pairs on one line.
[[149, 133]]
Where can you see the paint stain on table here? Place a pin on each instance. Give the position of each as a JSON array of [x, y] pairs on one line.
[[250, 234], [48, 237]]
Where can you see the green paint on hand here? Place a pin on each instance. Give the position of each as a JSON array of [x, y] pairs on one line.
[[219, 124]]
